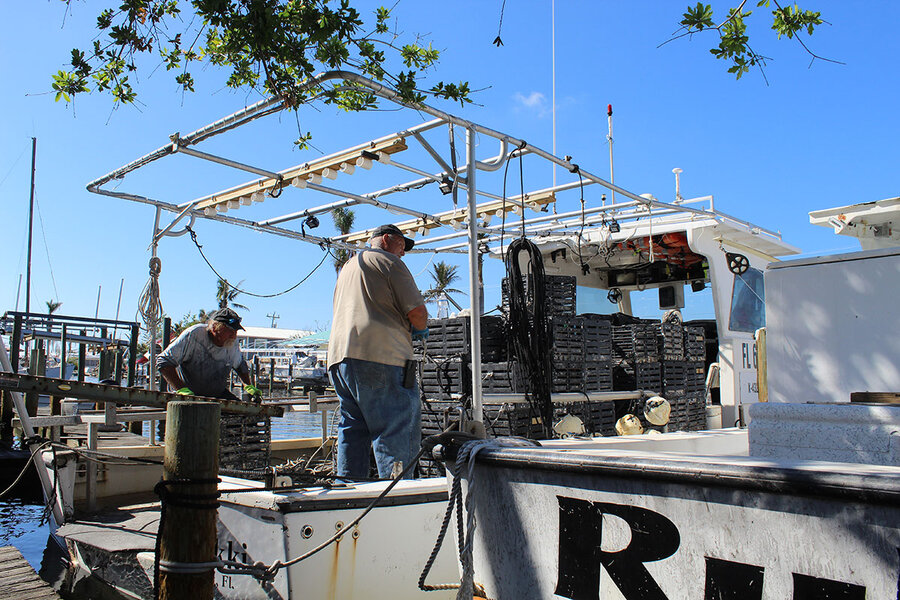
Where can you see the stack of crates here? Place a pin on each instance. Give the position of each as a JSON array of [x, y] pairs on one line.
[[635, 356], [503, 377], [451, 337], [598, 354], [567, 339], [559, 294], [245, 443], [695, 358], [444, 378]]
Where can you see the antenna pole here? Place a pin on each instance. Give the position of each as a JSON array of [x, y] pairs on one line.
[[609, 139], [553, 83], [30, 226], [18, 292]]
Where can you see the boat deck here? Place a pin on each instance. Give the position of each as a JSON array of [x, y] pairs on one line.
[[19, 580]]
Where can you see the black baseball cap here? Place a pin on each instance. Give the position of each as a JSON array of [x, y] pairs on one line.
[[229, 317], [393, 229]]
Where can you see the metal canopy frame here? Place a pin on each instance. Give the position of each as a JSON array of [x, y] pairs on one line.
[[461, 234]]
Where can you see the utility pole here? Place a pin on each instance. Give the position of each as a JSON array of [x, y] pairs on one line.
[[30, 226], [274, 316]]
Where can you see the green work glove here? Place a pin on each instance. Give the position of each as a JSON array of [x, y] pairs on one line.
[[185, 391], [253, 391]]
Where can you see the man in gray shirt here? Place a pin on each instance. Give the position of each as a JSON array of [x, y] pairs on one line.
[[200, 360], [377, 311]]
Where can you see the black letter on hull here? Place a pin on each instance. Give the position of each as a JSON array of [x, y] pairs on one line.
[[726, 580], [653, 537], [813, 588]]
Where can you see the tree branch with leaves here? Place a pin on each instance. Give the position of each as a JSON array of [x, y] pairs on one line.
[[734, 40], [270, 46]]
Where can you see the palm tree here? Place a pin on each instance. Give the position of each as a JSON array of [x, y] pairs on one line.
[[52, 306], [226, 293], [343, 222], [443, 275]]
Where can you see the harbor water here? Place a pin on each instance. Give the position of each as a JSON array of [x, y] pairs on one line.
[[20, 518]]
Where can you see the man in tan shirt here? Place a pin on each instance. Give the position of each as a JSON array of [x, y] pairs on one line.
[[377, 311]]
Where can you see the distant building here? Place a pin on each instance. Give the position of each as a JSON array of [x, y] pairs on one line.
[[267, 337]]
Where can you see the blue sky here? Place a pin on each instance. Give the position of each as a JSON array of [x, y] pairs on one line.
[[815, 137]]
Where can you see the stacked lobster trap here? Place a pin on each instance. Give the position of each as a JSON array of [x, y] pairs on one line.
[[588, 353]]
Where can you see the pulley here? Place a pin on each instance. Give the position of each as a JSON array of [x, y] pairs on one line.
[[737, 263]]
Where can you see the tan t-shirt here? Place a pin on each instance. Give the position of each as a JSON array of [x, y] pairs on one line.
[[374, 293]]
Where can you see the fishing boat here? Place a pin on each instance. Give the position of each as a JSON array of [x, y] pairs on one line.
[[624, 246]]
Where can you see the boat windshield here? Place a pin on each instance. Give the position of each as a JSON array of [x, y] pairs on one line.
[[748, 302]]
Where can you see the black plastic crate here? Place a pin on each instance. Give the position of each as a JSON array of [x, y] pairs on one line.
[[451, 337], [438, 415], [670, 337], [638, 376], [597, 338], [598, 376], [559, 291], [567, 337], [244, 442], [444, 378], [694, 343], [674, 374], [502, 377], [695, 377], [513, 420], [688, 412], [635, 342], [567, 376]]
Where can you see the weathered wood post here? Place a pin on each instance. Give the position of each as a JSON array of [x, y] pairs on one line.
[[188, 525], [37, 366], [271, 375], [6, 400], [82, 357], [290, 381], [135, 426]]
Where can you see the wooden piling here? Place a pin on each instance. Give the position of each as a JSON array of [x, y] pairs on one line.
[[271, 375], [82, 357], [37, 366], [188, 534]]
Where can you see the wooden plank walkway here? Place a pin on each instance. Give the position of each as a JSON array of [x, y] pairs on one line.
[[18, 580]]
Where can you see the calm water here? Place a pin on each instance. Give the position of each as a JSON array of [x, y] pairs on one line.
[[20, 519]]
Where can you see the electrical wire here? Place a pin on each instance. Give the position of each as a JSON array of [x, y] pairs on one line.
[[245, 292]]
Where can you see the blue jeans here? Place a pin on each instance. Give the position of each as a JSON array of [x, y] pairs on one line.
[[377, 412]]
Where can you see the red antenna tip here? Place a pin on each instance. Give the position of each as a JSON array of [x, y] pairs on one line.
[[609, 110]]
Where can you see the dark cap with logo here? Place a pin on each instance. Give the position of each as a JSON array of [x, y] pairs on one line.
[[394, 230], [228, 317]]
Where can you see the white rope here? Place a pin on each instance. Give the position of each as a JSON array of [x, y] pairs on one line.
[[149, 305]]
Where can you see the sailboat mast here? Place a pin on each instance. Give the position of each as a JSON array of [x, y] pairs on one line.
[[30, 224]]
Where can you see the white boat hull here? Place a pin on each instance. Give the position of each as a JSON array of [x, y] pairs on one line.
[[381, 557], [632, 525]]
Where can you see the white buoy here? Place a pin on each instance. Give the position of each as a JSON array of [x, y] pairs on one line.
[[629, 425], [657, 410]]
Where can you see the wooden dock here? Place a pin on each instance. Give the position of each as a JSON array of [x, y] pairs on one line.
[[18, 580]]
